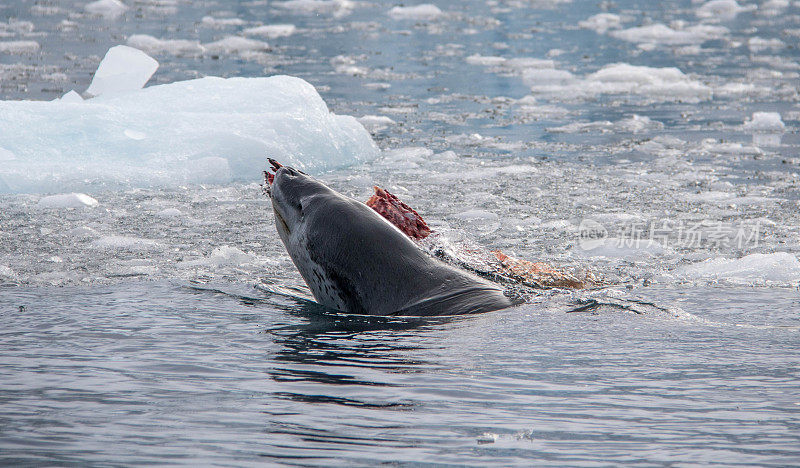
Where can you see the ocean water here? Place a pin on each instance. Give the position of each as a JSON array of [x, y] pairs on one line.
[[653, 145]]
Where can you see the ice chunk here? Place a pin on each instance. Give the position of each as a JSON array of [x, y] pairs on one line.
[[236, 44], [612, 247], [169, 213], [123, 69], [601, 22], [477, 215], [230, 256], [778, 267], [376, 122], [106, 8], [216, 130], [67, 200], [154, 45], [71, 96], [634, 124], [338, 8], [758, 44], [764, 122], [721, 9], [212, 22], [125, 243], [419, 12], [663, 34], [19, 47], [272, 30]]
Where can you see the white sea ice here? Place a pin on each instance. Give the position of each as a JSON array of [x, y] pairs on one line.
[[778, 267], [169, 213], [612, 247], [123, 69], [107, 8], [764, 122], [337, 8], [633, 124], [67, 200], [418, 12], [125, 243], [236, 44], [758, 44], [216, 130], [71, 96], [376, 122], [272, 31], [19, 47], [601, 22], [212, 22], [721, 10], [662, 34], [154, 45]]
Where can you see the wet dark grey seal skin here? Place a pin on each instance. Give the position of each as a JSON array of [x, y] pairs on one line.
[[355, 261]]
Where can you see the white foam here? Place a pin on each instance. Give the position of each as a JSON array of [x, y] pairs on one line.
[[236, 44], [418, 12], [663, 34], [778, 267], [6, 272], [272, 31], [601, 22], [19, 47], [721, 10], [154, 45], [67, 200], [123, 69], [764, 122], [216, 130], [107, 8]]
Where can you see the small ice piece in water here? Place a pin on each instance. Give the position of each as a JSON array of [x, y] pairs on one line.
[[271, 31], [6, 272], [374, 123], [236, 44], [419, 12], [106, 8], [228, 256], [477, 215], [767, 122], [212, 22], [134, 135], [487, 438], [83, 232], [663, 34], [19, 47], [601, 22], [154, 45], [338, 8], [778, 267], [169, 213], [123, 69], [67, 200], [71, 96], [758, 44], [721, 9], [125, 243]]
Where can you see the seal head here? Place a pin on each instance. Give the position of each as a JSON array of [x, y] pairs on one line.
[[355, 261]]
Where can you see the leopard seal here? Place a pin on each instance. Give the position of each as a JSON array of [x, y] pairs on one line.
[[355, 261]]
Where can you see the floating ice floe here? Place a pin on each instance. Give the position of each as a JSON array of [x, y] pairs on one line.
[[272, 31], [601, 22], [418, 12], [154, 45], [123, 69], [778, 267], [106, 8], [19, 47], [226, 256], [758, 44], [212, 22], [767, 122], [125, 243], [169, 213], [376, 122], [620, 248], [665, 35], [236, 44], [721, 10], [67, 200], [633, 124], [337, 8], [216, 130]]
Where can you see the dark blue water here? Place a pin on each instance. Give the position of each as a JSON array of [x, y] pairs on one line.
[[160, 373]]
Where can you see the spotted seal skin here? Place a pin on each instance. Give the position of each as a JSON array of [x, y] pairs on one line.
[[355, 261]]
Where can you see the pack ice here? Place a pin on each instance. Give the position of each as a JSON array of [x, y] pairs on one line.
[[208, 130]]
